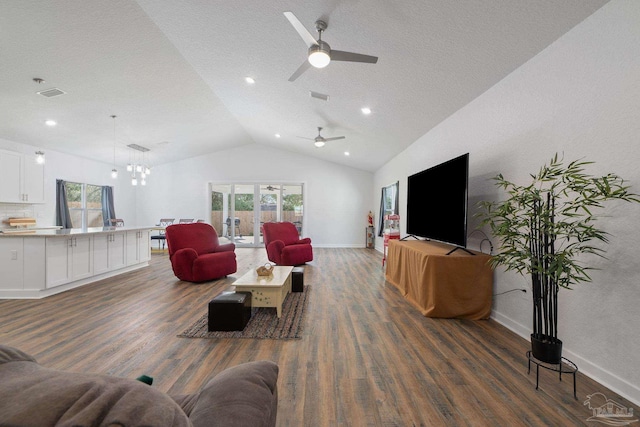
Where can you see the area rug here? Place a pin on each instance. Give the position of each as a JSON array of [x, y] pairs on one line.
[[264, 322]]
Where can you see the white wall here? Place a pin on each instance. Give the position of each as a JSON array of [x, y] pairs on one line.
[[337, 198], [70, 168], [580, 97]]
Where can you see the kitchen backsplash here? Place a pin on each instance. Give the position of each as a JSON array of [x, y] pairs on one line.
[[8, 210]]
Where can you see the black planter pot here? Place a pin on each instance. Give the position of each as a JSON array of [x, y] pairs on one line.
[[546, 349]]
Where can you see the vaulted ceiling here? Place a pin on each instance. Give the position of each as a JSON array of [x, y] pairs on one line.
[[173, 72]]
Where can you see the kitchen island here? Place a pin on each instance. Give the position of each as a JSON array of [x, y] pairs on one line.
[[35, 263]]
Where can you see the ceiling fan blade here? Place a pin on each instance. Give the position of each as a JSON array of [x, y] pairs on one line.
[[339, 55], [306, 35], [301, 69], [334, 138], [304, 137]]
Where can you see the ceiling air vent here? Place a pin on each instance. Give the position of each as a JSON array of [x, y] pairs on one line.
[[138, 147], [50, 93], [319, 95]]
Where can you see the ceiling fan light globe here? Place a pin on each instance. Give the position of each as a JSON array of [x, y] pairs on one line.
[[319, 59], [319, 55], [319, 144]]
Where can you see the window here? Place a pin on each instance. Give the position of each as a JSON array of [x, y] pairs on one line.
[[388, 204], [85, 204]]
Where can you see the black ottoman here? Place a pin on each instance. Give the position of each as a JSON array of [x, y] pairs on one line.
[[297, 279], [230, 311]]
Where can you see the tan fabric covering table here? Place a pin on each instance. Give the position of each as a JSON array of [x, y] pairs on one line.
[[458, 285]]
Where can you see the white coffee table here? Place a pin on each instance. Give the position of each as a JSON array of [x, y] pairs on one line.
[[266, 291]]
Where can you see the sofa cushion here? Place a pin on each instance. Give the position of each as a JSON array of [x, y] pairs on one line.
[[10, 354], [32, 395], [244, 395]]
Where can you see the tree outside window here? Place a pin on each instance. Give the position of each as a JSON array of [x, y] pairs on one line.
[[85, 204]]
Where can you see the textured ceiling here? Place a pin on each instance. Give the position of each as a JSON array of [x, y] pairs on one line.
[[173, 72]]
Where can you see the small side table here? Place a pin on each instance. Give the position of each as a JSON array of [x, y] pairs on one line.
[[565, 366]]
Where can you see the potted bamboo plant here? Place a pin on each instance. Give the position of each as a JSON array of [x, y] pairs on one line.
[[545, 228]]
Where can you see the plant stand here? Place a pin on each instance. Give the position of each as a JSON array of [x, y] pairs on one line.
[[565, 366]]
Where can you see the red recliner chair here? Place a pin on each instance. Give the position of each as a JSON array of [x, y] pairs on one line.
[[284, 246], [196, 254]]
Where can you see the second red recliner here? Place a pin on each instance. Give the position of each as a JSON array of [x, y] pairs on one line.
[[284, 246]]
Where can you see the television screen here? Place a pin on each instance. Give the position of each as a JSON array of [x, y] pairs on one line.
[[437, 202]]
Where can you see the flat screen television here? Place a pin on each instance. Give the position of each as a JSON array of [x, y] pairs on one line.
[[437, 202]]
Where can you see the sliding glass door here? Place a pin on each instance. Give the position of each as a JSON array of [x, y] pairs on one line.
[[221, 210], [239, 210]]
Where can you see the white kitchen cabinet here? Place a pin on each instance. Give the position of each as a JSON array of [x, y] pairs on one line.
[[33, 181], [108, 252], [118, 250], [10, 177], [101, 253], [68, 259], [21, 178], [138, 246], [22, 264], [11, 263], [144, 245]]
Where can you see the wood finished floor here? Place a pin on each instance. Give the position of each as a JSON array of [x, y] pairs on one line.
[[367, 358]]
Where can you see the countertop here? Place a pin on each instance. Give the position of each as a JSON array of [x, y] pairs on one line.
[[64, 232]]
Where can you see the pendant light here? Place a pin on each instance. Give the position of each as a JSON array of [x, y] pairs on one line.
[[137, 167], [130, 164], [134, 179], [114, 171], [40, 157]]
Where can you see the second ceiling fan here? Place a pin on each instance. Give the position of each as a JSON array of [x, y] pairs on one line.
[[320, 140], [320, 53]]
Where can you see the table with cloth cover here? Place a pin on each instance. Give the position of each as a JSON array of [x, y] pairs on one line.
[[458, 285]]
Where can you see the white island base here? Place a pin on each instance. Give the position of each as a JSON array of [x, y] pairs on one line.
[[47, 262]]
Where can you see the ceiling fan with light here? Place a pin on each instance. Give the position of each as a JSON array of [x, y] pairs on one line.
[[320, 140], [320, 53]]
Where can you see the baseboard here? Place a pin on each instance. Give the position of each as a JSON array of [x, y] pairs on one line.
[[618, 385], [42, 293], [337, 245]]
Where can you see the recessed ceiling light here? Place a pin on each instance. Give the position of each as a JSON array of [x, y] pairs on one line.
[[50, 122], [249, 80], [366, 110], [277, 135], [346, 153]]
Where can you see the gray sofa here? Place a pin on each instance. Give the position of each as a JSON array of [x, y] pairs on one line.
[[32, 395]]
